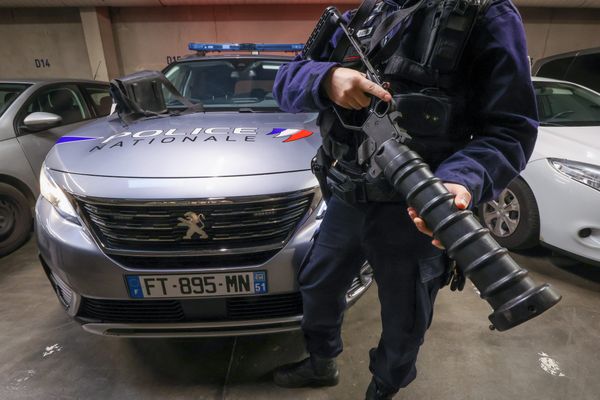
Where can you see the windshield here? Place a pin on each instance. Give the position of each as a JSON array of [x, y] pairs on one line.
[[227, 85], [9, 93], [563, 104]]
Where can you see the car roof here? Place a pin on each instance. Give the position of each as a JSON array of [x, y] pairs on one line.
[[540, 79], [34, 81]]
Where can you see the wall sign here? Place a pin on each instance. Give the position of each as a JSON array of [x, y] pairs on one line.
[[41, 63]]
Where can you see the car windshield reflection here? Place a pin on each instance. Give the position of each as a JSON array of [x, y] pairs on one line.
[[563, 104], [243, 85]]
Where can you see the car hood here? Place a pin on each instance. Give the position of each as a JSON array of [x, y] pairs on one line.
[[194, 145], [572, 143]]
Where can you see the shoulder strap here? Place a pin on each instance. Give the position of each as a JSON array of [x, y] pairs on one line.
[[389, 24], [360, 17], [484, 6]]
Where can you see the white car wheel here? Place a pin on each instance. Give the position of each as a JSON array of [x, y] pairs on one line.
[[513, 219]]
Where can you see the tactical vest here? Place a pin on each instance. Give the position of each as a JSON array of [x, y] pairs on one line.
[[424, 71]]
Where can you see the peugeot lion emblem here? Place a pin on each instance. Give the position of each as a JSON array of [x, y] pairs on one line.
[[195, 224]]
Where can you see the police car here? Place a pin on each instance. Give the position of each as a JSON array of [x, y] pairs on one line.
[[187, 223]]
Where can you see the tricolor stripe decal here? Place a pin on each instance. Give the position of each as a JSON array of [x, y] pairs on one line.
[[291, 135], [67, 139]]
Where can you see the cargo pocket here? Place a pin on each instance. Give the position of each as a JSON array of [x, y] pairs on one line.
[[433, 273]]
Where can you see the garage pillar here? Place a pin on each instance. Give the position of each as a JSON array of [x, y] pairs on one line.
[[97, 30]]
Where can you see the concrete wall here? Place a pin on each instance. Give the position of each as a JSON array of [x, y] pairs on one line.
[[555, 31], [150, 37], [45, 42]]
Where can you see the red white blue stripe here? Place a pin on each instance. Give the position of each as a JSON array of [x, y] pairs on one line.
[[291, 135]]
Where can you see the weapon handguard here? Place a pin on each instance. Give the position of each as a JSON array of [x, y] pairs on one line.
[[506, 286]]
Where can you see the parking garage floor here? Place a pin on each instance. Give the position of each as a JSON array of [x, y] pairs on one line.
[[44, 355]]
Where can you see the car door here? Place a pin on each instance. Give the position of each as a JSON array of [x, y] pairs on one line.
[[65, 100]]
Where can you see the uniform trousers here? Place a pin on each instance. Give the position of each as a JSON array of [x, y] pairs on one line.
[[408, 270]]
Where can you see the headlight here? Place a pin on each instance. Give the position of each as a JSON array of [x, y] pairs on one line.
[[51, 192], [587, 174]]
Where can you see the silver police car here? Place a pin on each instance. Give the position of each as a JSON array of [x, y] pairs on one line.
[[188, 224]]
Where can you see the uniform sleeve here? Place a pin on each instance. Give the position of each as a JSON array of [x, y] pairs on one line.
[[506, 120], [297, 86]]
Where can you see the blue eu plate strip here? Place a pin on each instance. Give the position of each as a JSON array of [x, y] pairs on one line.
[[135, 287], [260, 282]]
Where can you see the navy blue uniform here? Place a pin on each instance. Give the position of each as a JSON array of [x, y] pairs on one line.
[[409, 270]]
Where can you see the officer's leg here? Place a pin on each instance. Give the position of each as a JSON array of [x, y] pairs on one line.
[[409, 271], [326, 275]]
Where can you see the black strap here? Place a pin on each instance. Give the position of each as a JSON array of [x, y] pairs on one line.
[[362, 14], [377, 53], [485, 6]]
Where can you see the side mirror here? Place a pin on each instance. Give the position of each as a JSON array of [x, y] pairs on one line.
[[38, 121]]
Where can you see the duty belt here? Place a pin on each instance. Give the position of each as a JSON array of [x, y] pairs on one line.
[[355, 188]]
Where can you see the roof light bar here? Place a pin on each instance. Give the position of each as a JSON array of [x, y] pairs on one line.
[[206, 47]]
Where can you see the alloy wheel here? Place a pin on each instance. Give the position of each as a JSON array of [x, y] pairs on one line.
[[502, 216]]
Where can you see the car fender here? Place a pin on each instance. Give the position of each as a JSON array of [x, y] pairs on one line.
[[15, 169]]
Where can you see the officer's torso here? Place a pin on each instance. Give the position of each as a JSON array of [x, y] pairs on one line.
[[439, 126]]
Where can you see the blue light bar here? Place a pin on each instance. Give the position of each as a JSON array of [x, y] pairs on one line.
[[245, 47]]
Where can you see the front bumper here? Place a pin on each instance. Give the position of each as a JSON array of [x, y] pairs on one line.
[[88, 282], [569, 220]]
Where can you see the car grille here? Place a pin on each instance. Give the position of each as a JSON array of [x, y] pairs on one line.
[[192, 310], [238, 225], [196, 262]]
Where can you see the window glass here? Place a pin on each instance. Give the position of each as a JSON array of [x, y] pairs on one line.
[[586, 71], [567, 105], [64, 101], [101, 100], [226, 84], [555, 69], [9, 93]]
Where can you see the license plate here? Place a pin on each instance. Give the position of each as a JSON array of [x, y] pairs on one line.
[[197, 285]]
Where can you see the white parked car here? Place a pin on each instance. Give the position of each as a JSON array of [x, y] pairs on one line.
[[556, 200]]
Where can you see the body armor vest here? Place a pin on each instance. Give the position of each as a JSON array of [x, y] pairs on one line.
[[425, 74]]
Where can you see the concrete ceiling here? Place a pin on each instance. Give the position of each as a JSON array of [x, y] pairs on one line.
[[158, 3]]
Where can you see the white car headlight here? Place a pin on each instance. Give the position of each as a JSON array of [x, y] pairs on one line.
[[587, 174], [51, 192]]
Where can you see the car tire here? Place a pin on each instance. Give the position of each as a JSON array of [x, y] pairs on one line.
[[15, 219], [514, 219]]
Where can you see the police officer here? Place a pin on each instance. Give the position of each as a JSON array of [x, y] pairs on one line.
[[485, 144]]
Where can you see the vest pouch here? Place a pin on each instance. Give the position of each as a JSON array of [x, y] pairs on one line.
[[456, 24], [425, 115]]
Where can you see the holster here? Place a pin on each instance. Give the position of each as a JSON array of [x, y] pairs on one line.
[[354, 187], [320, 166]]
